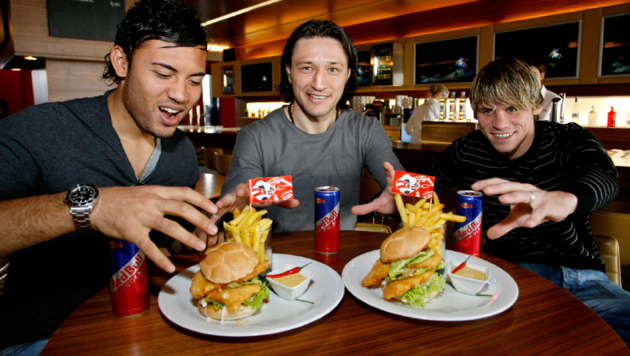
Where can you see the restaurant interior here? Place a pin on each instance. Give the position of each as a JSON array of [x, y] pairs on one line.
[[38, 67]]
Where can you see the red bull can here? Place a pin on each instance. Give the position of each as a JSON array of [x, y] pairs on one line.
[[129, 283], [467, 236], [327, 200]]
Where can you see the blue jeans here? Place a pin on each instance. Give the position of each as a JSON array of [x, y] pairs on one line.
[[27, 349], [595, 290]]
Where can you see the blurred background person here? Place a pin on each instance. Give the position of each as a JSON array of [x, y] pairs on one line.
[[428, 111], [540, 70]]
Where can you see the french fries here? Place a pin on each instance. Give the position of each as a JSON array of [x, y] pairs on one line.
[[249, 228], [428, 215]]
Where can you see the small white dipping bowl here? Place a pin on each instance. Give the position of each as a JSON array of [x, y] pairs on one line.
[[464, 284], [290, 293]]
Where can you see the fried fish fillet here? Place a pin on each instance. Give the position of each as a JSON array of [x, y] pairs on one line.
[[432, 261], [399, 287], [234, 297], [377, 274], [201, 286]]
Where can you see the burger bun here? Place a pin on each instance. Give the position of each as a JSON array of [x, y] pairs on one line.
[[243, 312], [404, 243], [228, 261]]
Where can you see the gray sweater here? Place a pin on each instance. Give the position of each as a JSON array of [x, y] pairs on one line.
[[274, 147]]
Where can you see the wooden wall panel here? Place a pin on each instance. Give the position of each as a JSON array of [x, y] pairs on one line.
[[74, 79]]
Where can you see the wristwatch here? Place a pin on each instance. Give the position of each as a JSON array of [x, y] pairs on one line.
[[81, 200]]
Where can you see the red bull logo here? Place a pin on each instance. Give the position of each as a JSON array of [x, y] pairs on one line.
[[319, 201], [470, 230], [114, 244], [128, 273], [466, 206], [329, 221]]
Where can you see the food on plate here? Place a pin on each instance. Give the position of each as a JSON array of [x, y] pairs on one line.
[[471, 273], [406, 267], [227, 284], [249, 228]]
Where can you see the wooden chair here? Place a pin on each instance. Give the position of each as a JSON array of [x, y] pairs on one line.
[[223, 163], [372, 227], [612, 236], [609, 251], [210, 158]]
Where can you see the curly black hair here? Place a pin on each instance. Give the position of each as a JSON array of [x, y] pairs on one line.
[[165, 20], [311, 29]]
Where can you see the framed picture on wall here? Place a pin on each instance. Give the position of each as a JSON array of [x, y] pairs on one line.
[[556, 46], [614, 46], [364, 68], [227, 79], [446, 61], [257, 77], [88, 20]]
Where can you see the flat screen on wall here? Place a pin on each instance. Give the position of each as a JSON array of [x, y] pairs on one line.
[[453, 60], [88, 20], [556, 46], [257, 77], [615, 46], [364, 68]]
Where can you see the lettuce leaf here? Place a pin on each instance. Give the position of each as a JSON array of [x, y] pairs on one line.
[[256, 300], [420, 294], [398, 269], [254, 280]]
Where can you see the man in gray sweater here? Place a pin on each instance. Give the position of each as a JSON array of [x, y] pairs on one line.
[[313, 139]]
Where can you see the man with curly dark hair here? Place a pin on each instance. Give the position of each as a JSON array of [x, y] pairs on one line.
[[123, 163], [315, 139]]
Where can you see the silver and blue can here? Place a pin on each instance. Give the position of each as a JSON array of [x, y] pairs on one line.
[[467, 236], [327, 205]]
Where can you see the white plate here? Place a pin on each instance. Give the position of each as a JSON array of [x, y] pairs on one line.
[[326, 291], [449, 305]]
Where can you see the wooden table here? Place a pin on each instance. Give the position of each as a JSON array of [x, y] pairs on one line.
[[210, 185], [544, 320]]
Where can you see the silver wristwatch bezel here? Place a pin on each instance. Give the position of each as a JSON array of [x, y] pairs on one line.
[[81, 205]]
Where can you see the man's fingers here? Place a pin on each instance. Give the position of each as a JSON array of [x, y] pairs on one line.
[[140, 238], [176, 231], [186, 211], [289, 204]]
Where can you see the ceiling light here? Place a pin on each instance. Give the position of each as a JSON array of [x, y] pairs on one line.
[[242, 11], [16, 69], [30, 58], [216, 48]]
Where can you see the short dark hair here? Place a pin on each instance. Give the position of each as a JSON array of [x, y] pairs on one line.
[[165, 20], [311, 29]]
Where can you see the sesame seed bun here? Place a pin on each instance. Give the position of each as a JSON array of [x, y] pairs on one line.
[[404, 243]]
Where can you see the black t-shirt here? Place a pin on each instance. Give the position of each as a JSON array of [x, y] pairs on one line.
[[47, 149], [562, 157]]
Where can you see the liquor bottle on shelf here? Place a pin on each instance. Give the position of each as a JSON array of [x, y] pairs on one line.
[[443, 106], [612, 117], [462, 106], [575, 116], [592, 117], [452, 107]]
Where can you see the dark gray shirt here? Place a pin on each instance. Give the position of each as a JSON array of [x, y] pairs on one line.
[[47, 149]]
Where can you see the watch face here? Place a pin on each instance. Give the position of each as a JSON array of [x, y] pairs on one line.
[[83, 195]]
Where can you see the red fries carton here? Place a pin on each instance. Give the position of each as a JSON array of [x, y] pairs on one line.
[[262, 190], [416, 185]]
